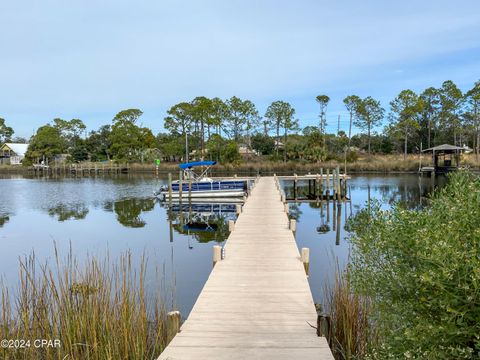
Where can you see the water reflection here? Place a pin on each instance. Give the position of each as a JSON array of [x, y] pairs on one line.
[[64, 212], [4, 218], [323, 226], [129, 211], [115, 214], [203, 222]]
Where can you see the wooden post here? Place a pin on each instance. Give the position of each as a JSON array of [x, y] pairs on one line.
[[328, 181], [190, 188], [317, 187], [338, 184], [334, 206], [328, 210], [295, 187], [239, 209], [180, 185], [285, 207], [217, 254], [170, 187], [334, 181], [306, 259], [322, 188], [231, 225], [339, 214], [173, 323], [293, 225]]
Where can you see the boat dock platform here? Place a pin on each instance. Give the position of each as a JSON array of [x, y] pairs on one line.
[[256, 303], [328, 185]]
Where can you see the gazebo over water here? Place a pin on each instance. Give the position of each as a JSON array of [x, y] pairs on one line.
[[445, 158]]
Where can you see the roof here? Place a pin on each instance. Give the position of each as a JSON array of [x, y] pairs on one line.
[[445, 148], [19, 149], [196, 163]]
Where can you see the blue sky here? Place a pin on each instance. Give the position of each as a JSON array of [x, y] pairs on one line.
[[89, 59]]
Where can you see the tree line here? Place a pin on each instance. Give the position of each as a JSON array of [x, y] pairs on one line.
[[216, 129]]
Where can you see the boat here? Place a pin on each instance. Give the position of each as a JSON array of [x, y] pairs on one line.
[[202, 186]]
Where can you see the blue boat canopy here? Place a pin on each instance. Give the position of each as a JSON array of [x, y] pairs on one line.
[[197, 163]]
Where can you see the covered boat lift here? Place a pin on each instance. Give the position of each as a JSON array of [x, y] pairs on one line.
[[445, 158]]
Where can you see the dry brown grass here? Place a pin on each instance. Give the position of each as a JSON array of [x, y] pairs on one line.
[[364, 164], [99, 311], [351, 334]]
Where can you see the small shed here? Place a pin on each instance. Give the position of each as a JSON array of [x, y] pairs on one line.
[[445, 158], [12, 153]]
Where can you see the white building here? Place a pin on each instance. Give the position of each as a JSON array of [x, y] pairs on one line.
[[13, 154]]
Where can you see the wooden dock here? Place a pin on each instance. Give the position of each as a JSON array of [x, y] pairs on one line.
[[256, 303], [322, 186], [80, 170]]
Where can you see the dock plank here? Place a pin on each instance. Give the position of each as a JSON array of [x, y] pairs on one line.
[[256, 303]]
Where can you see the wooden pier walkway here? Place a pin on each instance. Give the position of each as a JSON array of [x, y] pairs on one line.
[[257, 302]]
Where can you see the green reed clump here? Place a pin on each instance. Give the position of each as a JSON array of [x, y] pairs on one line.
[[98, 311], [421, 268], [351, 332]]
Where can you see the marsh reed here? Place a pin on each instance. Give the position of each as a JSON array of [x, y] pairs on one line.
[[351, 332], [98, 309]]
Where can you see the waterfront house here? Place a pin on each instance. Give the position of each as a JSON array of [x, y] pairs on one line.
[[245, 151], [12, 154]]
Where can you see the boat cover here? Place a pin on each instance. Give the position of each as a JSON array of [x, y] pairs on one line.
[[196, 163]]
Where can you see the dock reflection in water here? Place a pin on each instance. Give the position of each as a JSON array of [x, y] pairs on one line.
[[202, 220], [106, 216], [323, 226]]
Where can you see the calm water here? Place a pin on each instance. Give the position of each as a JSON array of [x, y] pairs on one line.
[[322, 227], [112, 215]]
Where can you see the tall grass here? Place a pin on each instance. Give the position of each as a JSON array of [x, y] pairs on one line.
[[98, 311], [375, 163], [351, 332]]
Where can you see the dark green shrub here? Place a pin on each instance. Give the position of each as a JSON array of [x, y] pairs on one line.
[[421, 268]]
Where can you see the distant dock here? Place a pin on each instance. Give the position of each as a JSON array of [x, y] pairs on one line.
[[81, 170], [326, 185]]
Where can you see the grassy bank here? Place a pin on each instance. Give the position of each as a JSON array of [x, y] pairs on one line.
[[98, 310], [364, 164]]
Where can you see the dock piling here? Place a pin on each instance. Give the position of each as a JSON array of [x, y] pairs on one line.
[[293, 225], [338, 184], [306, 259], [328, 182], [180, 184], [173, 323], [231, 225], [170, 187], [339, 215], [217, 254]]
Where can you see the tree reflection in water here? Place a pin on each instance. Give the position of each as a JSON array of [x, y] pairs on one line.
[[4, 218], [128, 211], [64, 212]]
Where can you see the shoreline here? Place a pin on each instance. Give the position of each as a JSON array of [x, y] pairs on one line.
[[376, 164]]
